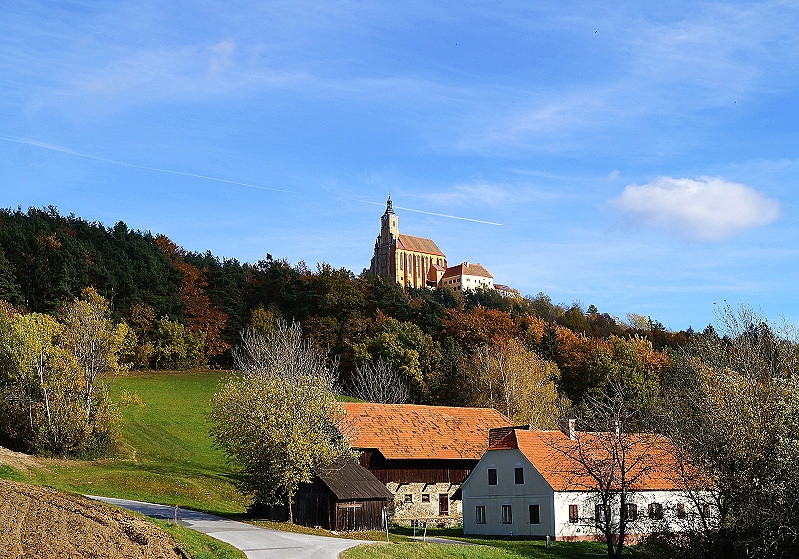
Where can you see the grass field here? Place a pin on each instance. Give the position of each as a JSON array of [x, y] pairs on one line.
[[487, 549], [166, 455]]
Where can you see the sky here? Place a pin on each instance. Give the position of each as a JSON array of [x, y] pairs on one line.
[[638, 156]]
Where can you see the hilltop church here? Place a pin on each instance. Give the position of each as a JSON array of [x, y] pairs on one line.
[[410, 261], [418, 262]]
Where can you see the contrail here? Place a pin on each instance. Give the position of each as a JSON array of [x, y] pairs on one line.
[[438, 214], [60, 149]]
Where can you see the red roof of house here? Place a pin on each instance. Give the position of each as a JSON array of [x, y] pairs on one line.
[[418, 244], [466, 269], [651, 458], [407, 431]]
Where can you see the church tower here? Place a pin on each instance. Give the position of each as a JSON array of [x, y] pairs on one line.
[[389, 224], [383, 257]]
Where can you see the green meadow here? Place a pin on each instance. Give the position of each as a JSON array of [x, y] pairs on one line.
[[165, 454]]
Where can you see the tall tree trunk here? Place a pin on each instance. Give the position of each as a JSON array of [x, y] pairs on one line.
[[289, 502]]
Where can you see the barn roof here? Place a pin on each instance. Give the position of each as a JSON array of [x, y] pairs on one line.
[[349, 481], [407, 431]]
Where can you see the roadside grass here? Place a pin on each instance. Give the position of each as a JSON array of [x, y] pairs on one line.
[[165, 456], [198, 545], [487, 549]]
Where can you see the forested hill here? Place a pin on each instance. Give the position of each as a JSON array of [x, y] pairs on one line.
[[189, 308]]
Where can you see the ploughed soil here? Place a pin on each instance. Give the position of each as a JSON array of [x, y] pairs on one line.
[[38, 522]]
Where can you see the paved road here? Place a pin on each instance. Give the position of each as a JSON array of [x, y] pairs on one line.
[[255, 542]]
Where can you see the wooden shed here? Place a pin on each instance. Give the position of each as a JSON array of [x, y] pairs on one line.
[[344, 497]]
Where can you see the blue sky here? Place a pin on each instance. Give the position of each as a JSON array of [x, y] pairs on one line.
[[639, 156]]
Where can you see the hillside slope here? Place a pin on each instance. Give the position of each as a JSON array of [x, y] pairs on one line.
[[43, 522]]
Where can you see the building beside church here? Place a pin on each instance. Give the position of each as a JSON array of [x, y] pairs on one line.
[[467, 276], [408, 260]]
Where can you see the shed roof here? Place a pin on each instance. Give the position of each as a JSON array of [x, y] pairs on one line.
[[407, 431], [349, 481], [651, 457]]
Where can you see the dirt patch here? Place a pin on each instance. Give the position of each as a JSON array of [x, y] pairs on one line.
[[19, 461], [42, 522]]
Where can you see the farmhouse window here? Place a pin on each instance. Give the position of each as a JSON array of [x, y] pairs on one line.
[[656, 511], [573, 514], [629, 511], [492, 476], [602, 514], [408, 497], [706, 510], [681, 510], [425, 497], [507, 514], [480, 514], [535, 514], [519, 476]]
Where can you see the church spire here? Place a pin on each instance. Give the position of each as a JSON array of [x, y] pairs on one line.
[[389, 205]]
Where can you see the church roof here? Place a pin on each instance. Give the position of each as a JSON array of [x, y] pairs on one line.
[[467, 269], [418, 244]]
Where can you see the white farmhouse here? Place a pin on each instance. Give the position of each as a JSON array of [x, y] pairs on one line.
[[528, 484]]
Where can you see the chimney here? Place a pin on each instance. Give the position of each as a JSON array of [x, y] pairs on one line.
[[498, 433], [568, 428]]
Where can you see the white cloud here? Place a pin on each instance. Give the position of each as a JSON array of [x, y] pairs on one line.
[[709, 208]]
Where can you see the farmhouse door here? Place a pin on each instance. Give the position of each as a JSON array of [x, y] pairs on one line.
[[443, 504]]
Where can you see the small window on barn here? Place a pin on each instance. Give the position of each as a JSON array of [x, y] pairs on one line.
[[507, 514], [656, 511], [480, 514], [681, 510], [573, 514], [425, 497], [492, 476], [518, 474], [535, 514], [408, 498]]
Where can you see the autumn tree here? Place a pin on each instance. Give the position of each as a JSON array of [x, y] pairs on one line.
[[204, 320], [733, 406], [93, 339], [52, 402], [277, 417], [518, 383], [610, 460], [408, 350], [378, 382]]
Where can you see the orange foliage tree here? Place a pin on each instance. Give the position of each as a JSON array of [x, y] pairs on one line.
[[202, 317]]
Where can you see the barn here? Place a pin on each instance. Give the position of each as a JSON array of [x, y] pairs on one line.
[[344, 497]]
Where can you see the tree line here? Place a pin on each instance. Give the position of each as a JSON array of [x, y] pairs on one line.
[[188, 309]]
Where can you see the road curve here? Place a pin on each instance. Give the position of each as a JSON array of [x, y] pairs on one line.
[[254, 541]]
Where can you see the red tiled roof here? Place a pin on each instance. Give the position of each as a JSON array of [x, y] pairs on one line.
[[406, 431], [466, 269], [554, 455], [418, 244]]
